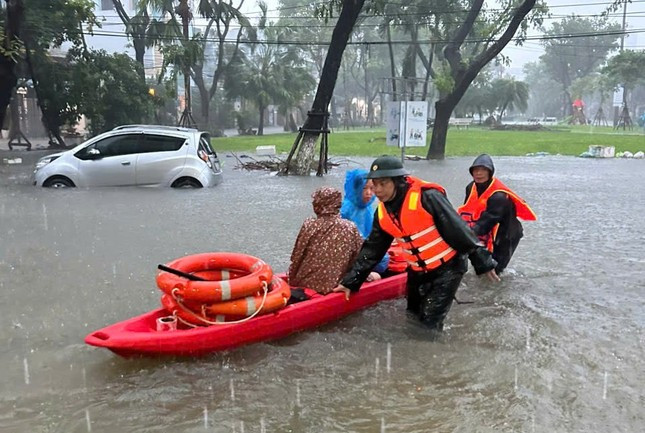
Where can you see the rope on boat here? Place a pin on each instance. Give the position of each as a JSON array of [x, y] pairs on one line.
[[265, 287]]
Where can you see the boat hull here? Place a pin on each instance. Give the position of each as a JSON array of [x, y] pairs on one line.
[[138, 336]]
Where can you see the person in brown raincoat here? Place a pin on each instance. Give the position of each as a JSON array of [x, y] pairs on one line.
[[326, 245]]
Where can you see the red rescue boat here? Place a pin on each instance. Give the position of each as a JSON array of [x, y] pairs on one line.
[[139, 336]]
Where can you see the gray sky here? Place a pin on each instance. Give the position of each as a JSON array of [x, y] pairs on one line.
[[585, 8]]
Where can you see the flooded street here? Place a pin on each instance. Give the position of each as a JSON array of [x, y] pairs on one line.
[[557, 346]]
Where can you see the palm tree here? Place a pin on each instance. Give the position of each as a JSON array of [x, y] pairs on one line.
[[186, 54], [512, 95], [269, 73]]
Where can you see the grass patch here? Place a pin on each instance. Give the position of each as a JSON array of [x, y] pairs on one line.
[[461, 142]]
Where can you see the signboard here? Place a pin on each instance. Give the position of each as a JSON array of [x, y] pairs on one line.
[[416, 116], [392, 123], [406, 123], [618, 97]]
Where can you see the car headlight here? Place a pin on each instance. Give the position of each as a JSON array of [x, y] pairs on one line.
[[44, 161]]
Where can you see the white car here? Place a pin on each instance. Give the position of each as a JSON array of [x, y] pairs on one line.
[[144, 155]]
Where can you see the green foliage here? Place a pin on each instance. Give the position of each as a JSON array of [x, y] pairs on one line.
[[269, 73], [444, 82], [510, 94], [569, 58], [13, 49], [208, 52], [107, 88], [55, 93], [49, 23], [589, 85], [626, 69]]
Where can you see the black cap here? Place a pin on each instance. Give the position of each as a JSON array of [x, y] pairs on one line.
[[386, 166], [483, 160]]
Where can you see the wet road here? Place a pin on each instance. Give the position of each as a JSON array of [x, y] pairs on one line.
[[556, 347]]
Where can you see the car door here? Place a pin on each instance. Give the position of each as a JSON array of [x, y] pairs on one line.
[[110, 161], [162, 157]]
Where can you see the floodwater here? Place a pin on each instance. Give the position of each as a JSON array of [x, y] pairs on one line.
[[557, 346]]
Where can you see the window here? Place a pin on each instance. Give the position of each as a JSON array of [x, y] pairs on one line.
[[161, 143], [118, 145], [205, 145], [107, 5]]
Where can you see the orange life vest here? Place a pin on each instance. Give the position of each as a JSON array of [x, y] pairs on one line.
[[422, 246], [476, 204]]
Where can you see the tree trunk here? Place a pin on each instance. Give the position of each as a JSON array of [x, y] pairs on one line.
[[261, 123], [14, 116], [315, 118], [8, 78], [49, 118], [392, 64], [440, 130], [464, 73], [502, 111], [139, 53], [293, 127], [206, 108]]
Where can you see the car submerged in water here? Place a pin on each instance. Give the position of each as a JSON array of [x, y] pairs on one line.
[[134, 155]]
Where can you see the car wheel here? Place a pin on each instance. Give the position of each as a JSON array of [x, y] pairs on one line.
[[186, 182], [58, 182]]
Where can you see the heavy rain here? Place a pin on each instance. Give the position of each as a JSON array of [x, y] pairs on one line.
[[556, 346]]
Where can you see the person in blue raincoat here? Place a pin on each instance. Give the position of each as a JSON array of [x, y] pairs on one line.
[[641, 121], [359, 205]]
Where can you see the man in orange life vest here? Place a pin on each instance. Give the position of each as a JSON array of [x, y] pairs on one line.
[[491, 209], [435, 241]]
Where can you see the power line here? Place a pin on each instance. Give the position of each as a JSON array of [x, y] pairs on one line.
[[412, 14], [399, 42]]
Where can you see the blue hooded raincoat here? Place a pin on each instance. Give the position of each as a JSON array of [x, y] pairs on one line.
[[359, 212]]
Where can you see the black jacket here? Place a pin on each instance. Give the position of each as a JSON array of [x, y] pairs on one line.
[[450, 226], [499, 210]]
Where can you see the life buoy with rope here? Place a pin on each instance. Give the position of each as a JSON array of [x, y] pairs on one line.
[[230, 276], [273, 297]]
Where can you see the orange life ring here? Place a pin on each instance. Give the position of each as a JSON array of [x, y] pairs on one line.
[[279, 294], [249, 273], [202, 315], [220, 274]]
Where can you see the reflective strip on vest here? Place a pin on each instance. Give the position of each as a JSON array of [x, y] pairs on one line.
[[435, 258], [417, 235], [422, 246], [425, 247]]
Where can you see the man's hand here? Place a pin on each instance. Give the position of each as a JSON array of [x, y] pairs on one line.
[[492, 276], [373, 276], [345, 290]]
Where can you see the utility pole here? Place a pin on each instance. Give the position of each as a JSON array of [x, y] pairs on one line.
[[186, 119], [622, 47], [622, 36]]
